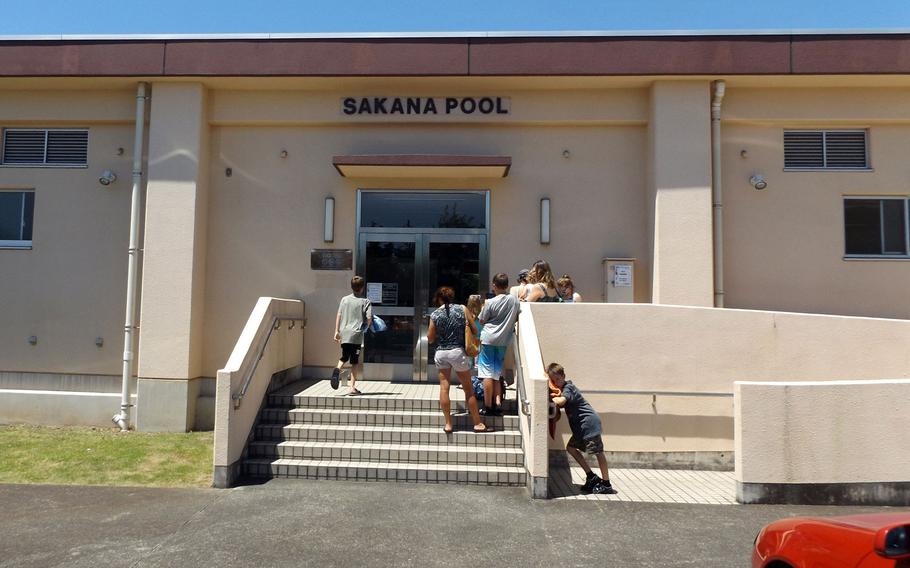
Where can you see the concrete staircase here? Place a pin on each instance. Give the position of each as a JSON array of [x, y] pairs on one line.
[[392, 432]]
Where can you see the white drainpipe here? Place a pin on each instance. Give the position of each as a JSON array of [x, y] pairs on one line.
[[123, 418], [718, 200]]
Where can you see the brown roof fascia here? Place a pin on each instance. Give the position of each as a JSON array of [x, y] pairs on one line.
[[81, 59], [748, 55], [402, 57], [859, 54]]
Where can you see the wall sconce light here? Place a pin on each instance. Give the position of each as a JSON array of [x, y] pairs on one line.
[[283, 154], [99, 342], [545, 221], [758, 181], [107, 178], [328, 226]]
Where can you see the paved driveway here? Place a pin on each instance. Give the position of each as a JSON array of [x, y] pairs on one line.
[[326, 523]]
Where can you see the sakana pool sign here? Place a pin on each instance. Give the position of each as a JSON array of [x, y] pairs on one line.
[[426, 106]]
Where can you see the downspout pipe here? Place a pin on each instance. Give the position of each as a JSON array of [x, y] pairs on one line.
[[717, 194], [122, 419]]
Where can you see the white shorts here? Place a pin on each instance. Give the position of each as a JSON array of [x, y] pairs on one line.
[[453, 359]]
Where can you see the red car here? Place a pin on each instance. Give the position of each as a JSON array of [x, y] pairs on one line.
[[867, 541]]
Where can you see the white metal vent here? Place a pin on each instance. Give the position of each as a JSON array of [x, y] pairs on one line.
[[825, 149], [45, 147]]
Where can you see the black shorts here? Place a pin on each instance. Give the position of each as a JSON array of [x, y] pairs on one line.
[[593, 445], [350, 351]]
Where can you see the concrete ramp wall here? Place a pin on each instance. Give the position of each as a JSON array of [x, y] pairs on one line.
[[662, 376], [823, 442]]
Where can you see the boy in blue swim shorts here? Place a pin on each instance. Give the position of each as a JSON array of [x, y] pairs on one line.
[[498, 318]]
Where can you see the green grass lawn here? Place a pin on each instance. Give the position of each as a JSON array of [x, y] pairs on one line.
[[104, 456]]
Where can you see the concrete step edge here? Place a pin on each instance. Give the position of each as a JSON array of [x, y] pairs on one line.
[[386, 465], [389, 446]]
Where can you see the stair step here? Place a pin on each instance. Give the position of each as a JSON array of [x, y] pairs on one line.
[[373, 471], [391, 401], [377, 417], [388, 453], [386, 434]]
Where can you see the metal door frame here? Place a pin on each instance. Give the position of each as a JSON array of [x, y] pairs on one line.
[[422, 237]]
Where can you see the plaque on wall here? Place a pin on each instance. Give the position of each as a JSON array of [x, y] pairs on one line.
[[331, 259]]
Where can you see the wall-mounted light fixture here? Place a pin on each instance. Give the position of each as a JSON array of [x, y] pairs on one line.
[[283, 154], [107, 177], [758, 181], [545, 221], [328, 226]]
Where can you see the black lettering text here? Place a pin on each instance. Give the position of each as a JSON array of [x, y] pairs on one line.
[[499, 109], [379, 105], [350, 106], [413, 105], [430, 107], [468, 105], [364, 106], [451, 104], [397, 107], [485, 105]]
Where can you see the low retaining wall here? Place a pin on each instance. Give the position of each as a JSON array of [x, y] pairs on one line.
[[59, 408], [823, 443]]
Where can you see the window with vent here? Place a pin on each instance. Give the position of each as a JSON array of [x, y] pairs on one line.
[[45, 147], [877, 227], [17, 209], [826, 150]]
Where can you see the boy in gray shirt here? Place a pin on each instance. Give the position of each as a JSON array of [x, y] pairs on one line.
[[497, 317], [586, 429], [355, 315]]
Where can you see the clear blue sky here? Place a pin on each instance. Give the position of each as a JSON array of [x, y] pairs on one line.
[[52, 17]]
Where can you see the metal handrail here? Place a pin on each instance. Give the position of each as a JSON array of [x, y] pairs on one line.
[[661, 393], [276, 324], [519, 376]]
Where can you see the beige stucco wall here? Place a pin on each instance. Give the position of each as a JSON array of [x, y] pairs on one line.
[[679, 193], [71, 287], [671, 348], [822, 432], [173, 270], [784, 246], [265, 218]]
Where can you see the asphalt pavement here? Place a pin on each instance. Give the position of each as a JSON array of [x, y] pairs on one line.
[[333, 523]]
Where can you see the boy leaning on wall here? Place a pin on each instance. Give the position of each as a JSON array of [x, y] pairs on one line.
[[355, 314], [586, 430]]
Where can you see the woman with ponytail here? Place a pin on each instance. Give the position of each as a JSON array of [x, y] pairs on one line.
[[447, 329]]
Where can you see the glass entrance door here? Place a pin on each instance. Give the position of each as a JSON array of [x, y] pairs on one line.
[[403, 271], [457, 261], [389, 264]]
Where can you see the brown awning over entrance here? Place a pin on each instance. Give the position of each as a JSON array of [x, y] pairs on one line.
[[422, 166]]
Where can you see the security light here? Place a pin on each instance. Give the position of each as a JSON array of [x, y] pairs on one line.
[[107, 177], [758, 181]]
